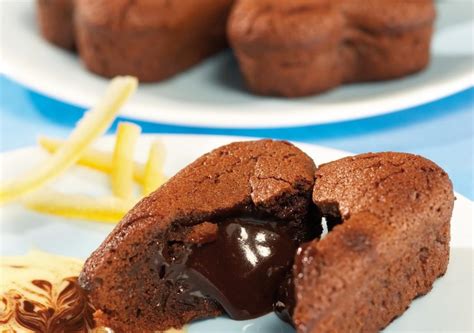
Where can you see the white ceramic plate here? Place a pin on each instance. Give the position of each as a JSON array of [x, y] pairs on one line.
[[212, 94], [447, 308]]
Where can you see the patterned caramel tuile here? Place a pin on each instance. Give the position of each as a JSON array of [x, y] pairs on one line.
[[39, 293]]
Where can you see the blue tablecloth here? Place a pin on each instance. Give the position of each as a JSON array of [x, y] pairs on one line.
[[442, 131]]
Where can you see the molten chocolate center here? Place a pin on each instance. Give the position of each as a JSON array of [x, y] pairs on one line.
[[242, 268]]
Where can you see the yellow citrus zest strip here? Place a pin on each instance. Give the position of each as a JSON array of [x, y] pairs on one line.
[[94, 123], [92, 158], [153, 175], [122, 162], [78, 206]]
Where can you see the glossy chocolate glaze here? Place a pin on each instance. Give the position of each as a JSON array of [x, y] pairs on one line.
[[286, 302], [241, 269]]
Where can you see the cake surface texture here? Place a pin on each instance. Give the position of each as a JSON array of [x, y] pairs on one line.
[[302, 47], [139, 278], [55, 20], [390, 218]]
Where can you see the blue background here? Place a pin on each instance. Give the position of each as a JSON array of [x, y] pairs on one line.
[[442, 131]]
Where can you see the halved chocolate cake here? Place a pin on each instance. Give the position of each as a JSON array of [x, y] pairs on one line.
[[237, 232]]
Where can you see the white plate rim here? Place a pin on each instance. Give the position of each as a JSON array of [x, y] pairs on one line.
[[313, 150], [216, 325], [212, 116]]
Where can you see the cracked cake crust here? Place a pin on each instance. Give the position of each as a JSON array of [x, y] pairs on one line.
[[122, 279], [392, 245]]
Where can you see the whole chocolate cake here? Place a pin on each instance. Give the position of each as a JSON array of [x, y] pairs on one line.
[[149, 39], [302, 47], [219, 236], [284, 47]]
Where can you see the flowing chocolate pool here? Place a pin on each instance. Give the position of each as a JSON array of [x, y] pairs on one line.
[[241, 267]]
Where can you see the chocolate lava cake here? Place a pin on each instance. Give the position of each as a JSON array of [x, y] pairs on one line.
[[237, 232], [149, 39], [284, 47], [301, 47], [220, 236], [390, 214], [55, 20]]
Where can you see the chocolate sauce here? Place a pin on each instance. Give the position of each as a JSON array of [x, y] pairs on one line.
[[241, 270], [285, 305]]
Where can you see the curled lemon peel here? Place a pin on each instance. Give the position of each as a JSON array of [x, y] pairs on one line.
[[153, 174], [78, 206], [122, 163], [94, 123], [92, 158]]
